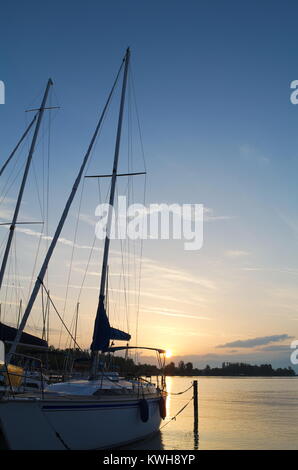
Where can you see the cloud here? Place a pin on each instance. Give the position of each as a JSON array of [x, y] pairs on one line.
[[172, 313], [163, 208], [62, 240], [276, 348], [251, 343], [251, 154], [210, 217], [282, 270]]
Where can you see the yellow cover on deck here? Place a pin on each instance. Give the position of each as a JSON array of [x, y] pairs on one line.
[[14, 376]]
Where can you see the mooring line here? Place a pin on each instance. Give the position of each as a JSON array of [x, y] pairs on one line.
[[179, 393], [180, 411]]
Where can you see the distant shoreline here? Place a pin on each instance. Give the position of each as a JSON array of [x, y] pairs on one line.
[[228, 369], [239, 376]]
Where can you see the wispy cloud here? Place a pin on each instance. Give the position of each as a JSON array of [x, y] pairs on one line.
[[276, 348], [62, 240], [251, 343], [210, 216], [172, 313], [250, 153], [281, 270]]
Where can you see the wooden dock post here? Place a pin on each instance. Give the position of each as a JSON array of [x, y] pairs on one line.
[[196, 414]]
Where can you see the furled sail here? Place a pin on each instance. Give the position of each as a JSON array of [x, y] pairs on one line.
[[103, 332]]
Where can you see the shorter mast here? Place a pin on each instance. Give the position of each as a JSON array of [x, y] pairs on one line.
[[21, 191], [18, 144]]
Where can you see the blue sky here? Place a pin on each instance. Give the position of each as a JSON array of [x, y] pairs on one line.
[[213, 89]]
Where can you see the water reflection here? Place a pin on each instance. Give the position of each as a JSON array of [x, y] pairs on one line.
[[153, 442], [234, 413], [181, 432]]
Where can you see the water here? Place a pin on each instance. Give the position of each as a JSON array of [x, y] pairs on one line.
[[234, 413]]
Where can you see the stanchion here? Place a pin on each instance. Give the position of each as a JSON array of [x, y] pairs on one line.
[[196, 415]]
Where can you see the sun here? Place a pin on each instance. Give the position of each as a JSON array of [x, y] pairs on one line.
[[168, 353]]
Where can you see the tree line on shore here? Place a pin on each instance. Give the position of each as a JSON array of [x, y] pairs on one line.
[[229, 369], [59, 360]]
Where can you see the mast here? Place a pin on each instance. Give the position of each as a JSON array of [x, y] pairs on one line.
[[18, 144], [26, 171], [63, 217], [101, 306], [19, 314], [76, 324], [114, 178]]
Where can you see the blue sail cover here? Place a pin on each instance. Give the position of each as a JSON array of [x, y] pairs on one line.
[[103, 332]]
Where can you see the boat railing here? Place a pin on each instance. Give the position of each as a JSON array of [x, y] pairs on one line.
[[21, 373]]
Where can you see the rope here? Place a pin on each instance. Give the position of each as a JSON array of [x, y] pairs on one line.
[[180, 411], [180, 393]]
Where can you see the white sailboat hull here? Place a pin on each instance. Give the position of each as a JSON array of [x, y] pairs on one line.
[[75, 425]]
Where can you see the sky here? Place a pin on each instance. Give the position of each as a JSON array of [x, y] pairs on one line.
[[212, 84]]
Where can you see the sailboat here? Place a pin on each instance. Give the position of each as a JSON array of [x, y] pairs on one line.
[[105, 410]]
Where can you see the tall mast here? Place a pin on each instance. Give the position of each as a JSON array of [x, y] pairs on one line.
[[21, 192], [53, 243], [114, 178], [100, 307]]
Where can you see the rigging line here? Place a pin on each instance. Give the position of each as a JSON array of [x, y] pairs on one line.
[[58, 231], [131, 166], [68, 342], [86, 270], [37, 191], [46, 229], [89, 258], [145, 188], [6, 301], [99, 191], [123, 277], [141, 265], [35, 265], [2, 244], [54, 307], [129, 188], [72, 255], [43, 312], [17, 276], [7, 189], [45, 132], [138, 118], [23, 183], [16, 161], [35, 100], [80, 203], [43, 173], [13, 254], [18, 144]]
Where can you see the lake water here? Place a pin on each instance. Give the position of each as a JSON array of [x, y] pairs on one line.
[[234, 413]]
